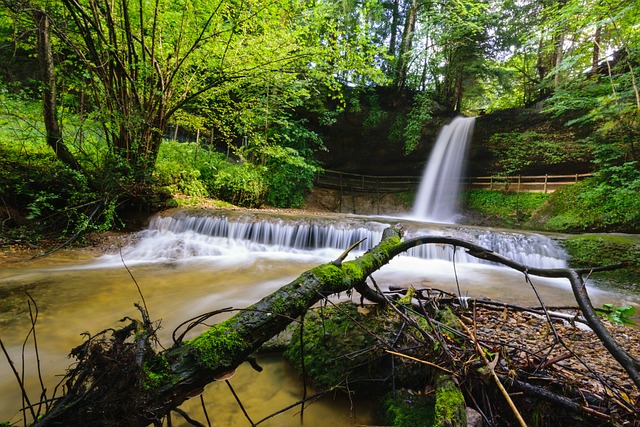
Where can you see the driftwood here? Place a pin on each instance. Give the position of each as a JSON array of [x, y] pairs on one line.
[[121, 380]]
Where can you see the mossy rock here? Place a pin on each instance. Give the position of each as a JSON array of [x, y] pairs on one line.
[[345, 344], [403, 409], [444, 408]]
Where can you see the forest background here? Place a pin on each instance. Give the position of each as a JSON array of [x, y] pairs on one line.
[[109, 109]]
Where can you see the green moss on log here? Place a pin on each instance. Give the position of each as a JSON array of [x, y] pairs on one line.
[[330, 274], [218, 346], [450, 406], [157, 372]]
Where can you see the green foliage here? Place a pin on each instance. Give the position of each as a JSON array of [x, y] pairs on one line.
[[449, 402], [157, 372], [515, 151], [596, 250], [241, 184], [283, 181], [594, 205], [419, 115], [619, 315], [376, 114], [177, 168], [401, 409], [55, 198], [216, 346], [506, 208], [289, 177]]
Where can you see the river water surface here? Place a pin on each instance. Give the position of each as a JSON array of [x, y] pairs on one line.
[[183, 268]]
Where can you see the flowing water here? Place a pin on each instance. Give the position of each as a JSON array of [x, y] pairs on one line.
[[437, 197], [188, 263]]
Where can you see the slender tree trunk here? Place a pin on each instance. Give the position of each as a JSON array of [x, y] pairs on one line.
[[49, 104], [558, 49], [394, 29], [405, 46], [595, 58], [558, 56]]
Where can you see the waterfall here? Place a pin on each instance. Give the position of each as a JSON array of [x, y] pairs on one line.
[[437, 197], [184, 236]]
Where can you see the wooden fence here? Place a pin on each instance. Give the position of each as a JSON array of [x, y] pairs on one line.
[[394, 184], [524, 183]]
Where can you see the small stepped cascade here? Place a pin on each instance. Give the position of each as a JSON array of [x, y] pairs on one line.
[[183, 236]]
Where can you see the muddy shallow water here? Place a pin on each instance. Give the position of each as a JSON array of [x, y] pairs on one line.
[[76, 291]]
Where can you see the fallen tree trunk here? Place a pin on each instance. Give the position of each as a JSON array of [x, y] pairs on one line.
[[123, 381]]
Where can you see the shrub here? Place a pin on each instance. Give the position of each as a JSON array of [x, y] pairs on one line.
[[289, 177], [242, 184], [52, 198], [509, 208], [176, 168], [598, 204], [596, 250]]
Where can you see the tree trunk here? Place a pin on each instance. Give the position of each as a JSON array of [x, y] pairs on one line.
[[123, 382], [47, 73], [595, 56], [395, 17], [405, 46]]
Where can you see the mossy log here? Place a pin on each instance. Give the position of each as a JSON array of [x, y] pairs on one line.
[[128, 384]]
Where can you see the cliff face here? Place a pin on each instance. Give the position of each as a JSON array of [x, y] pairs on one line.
[[355, 146]]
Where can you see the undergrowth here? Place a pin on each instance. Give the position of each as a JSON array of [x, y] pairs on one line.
[[508, 209]]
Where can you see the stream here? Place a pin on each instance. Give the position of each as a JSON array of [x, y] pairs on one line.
[[190, 262]]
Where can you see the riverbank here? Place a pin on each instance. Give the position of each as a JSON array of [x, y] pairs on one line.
[[522, 331], [540, 361]]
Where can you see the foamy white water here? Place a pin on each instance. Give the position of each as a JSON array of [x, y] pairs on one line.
[[185, 236]]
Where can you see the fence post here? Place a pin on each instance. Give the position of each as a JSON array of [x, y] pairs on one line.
[[519, 183], [545, 182]]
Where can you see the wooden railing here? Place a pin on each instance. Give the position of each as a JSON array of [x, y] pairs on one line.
[[366, 183], [524, 183], [394, 184]]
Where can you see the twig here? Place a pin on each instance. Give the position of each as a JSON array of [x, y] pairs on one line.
[[204, 409], [244, 411], [304, 369], [490, 366], [188, 418], [72, 238], [145, 317], [630, 364], [293, 405], [421, 361], [25, 396], [34, 319], [343, 256]]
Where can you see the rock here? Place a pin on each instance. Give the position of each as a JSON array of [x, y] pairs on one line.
[[474, 418]]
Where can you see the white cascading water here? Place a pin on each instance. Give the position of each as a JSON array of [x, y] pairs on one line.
[[437, 196], [184, 236]]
